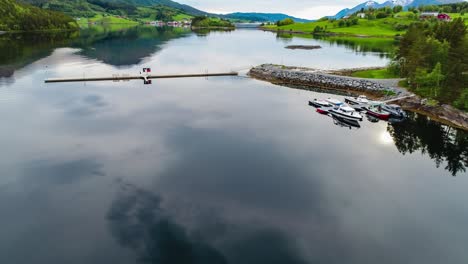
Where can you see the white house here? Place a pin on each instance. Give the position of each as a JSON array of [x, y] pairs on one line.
[[361, 15]]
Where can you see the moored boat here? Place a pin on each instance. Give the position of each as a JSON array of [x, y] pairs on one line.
[[323, 110], [394, 110], [319, 103], [334, 101], [377, 111], [344, 111], [361, 99]]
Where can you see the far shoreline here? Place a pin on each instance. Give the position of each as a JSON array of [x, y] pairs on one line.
[[328, 34]]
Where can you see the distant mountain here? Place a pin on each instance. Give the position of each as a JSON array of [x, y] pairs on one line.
[[262, 17], [391, 3]]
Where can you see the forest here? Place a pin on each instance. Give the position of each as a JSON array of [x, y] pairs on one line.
[[433, 58], [16, 16]]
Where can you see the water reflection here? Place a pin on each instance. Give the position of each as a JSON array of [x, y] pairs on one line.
[[203, 32], [383, 47], [19, 50], [139, 221], [126, 46], [441, 143], [117, 47]]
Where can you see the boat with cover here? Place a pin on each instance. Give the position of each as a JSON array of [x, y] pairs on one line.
[[394, 110], [344, 111], [320, 103], [361, 99]]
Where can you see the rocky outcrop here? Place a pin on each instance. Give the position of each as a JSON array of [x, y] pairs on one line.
[[443, 113], [321, 79]]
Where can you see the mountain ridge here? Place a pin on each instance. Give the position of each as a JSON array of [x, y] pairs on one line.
[[391, 3]]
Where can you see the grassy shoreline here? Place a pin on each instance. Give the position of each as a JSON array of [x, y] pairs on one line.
[[388, 27]]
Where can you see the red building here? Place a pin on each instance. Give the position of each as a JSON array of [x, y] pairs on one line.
[[444, 17]]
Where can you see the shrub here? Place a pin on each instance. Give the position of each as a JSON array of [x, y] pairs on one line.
[[285, 22], [381, 15]]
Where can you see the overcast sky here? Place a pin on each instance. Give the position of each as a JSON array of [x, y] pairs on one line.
[[300, 8]]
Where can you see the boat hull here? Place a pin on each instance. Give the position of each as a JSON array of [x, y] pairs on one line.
[[383, 116], [341, 115], [347, 122]]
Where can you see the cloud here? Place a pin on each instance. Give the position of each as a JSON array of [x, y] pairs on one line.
[[138, 221]]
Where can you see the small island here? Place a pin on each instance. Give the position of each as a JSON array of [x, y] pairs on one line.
[[204, 22], [304, 47]]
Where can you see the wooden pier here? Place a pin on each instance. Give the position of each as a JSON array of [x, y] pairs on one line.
[[398, 99], [123, 77]]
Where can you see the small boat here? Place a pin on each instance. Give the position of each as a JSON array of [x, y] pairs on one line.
[[324, 110], [394, 110], [343, 122], [359, 107], [362, 99], [345, 111], [319, 103], [377, 111], [334, 101]]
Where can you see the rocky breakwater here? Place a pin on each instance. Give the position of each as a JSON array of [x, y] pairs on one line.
[[321, 79], [380, 89]]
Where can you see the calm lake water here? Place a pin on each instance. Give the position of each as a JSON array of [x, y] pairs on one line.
[[218, 170]]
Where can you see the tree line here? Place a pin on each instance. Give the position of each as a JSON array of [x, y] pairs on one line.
[[22, 17], [434, 59]]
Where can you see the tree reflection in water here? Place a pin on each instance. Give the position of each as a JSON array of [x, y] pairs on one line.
[[442, 143]]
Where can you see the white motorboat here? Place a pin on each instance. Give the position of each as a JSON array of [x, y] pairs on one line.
[[344, 111], [334, 101], [362, 99]]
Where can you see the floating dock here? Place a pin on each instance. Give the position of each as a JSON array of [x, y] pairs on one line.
[[123, 77]]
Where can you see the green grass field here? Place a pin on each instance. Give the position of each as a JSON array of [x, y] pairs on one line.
[[376, 28], [457, 15], [101, 19], [365, 27], [385, 27], [375, 74], [181, 17]]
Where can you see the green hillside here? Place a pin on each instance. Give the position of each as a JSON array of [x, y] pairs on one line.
[[118, 11], [385, 22], [16, 16]]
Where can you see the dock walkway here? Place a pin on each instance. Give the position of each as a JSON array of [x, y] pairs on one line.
[[124, 77]]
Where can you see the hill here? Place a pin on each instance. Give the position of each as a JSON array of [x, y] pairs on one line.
[[144, 10], [185, 8], [383, 22], [126, 8], [261, 17], [16, 16], [391, 3]]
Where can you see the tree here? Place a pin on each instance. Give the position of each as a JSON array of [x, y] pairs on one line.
[[397, 9], [285, 22]]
